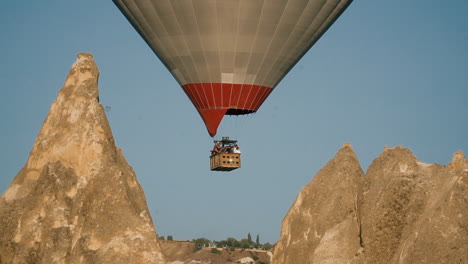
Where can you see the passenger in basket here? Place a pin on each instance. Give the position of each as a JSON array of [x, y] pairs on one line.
[[229, 149], [216, 148], [237, 149]]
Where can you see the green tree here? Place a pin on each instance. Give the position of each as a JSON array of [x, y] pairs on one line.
[[200, 243], [257, 241], [232, 242], [267, 246], [245, 243], [169, 237], [249, 237]]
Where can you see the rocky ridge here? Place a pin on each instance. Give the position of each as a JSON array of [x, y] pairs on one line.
[[400, 211], [77, 200], [183, 252]]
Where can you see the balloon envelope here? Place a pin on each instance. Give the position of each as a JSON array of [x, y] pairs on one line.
[[228, 55]]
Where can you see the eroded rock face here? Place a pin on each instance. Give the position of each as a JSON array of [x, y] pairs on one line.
[[414, 212], [407, 211], [76, 200], [323, 225]]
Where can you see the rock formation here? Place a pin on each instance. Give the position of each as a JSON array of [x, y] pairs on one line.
[[322, 225], [76, 200], [400, 211], [415, 212]]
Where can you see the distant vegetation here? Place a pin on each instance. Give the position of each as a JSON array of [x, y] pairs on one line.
[[230, 242]]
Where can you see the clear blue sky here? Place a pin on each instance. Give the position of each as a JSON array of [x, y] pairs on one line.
[[387, 73]]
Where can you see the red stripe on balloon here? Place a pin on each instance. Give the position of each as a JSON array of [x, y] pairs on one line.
[[235, 96], [244, 96], [191, 95], [226, 95], [214, 100], [217, 93], [261, 96], [201, 90]]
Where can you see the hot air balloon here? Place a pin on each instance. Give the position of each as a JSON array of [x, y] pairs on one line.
[[229, 55]]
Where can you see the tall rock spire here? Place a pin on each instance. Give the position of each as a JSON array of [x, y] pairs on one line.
[[323, 224], [77, 200], [401, 211]]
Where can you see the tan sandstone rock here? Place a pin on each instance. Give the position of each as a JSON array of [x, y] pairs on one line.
[[414, 212], [76, 200], [323, 224], [408, 212]]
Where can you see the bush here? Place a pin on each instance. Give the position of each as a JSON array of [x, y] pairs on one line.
[[267, 246], [254, 256], [215, 251]]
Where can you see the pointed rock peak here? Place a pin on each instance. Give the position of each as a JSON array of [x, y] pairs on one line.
[[84, 58], [82, 78], [345, 157], [459, 157], [85, 55], [398, 158], [77, 200], [323, 216], [458, 162], [397, 211], [76, 122], [346, 150]]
